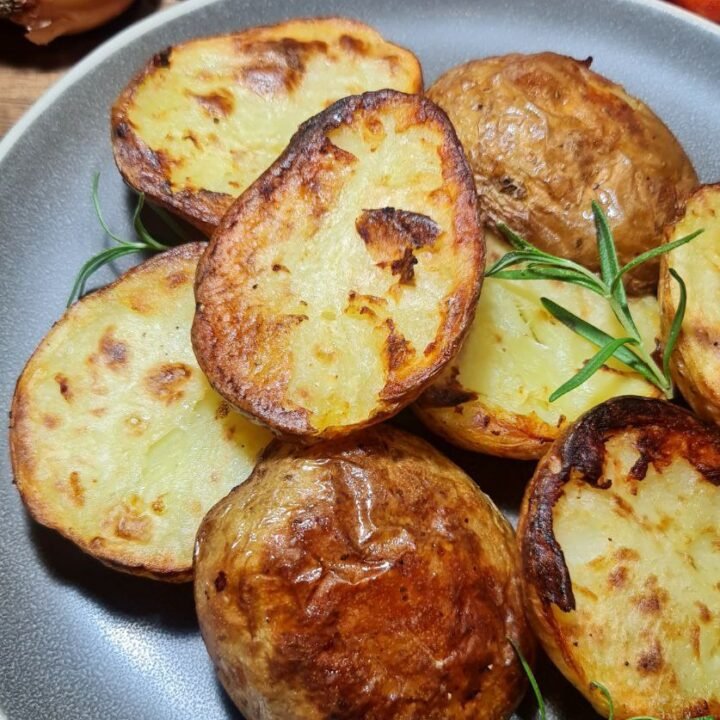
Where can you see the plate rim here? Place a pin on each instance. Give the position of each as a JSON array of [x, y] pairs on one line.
[[142, 27]]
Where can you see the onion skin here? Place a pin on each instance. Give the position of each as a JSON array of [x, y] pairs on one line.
[[46, 20]]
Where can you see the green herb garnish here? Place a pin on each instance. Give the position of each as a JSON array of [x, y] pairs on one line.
[[144, 241], [594, 684], [534, 264]]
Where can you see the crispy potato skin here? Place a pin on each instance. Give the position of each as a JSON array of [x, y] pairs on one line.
[[614, 574], [117, 441], [366, 577], [695, 363], [545, 136], [326, 300], [493, 395], [211, 94]]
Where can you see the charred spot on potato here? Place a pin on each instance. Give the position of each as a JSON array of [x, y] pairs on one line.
[[392, 236], [77, 491], [651, 660], [162, 58], [177, 279], [167, 381], [218, 104], [220, 581], [280, 66], [113, 352], [51, 422], [222, 410], [64, 386]]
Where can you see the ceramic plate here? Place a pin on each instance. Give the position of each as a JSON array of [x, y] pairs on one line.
[[78, 641]]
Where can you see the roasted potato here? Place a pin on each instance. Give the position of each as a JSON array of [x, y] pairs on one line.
[[118, 442], [205, 118], [620, 546], [366, 577], [545, 136], [344, 279], [493, 396], [695, 363]]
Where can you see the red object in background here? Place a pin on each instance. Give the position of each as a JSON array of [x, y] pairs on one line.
[[708, 8]]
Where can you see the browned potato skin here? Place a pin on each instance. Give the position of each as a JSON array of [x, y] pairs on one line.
[[580, 450], [228, 363], [332, 581], [145, 171], [503, 434], [545, 136]]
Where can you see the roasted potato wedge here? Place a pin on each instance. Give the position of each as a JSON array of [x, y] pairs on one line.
[[620, 547], [118, 442], [366, 577], [545, 136], [205, 118], [695, 363], [344, 279], [493, 396]]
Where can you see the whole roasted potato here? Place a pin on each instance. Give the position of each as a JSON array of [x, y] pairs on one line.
[[545, 136], [621, 558], [362, 578], [695, 363]]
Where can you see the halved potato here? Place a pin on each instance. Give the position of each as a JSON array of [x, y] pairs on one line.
[[117, 439], [204, 118], [344, 279], [620, 546], [362, 578], [545, 136], [695, 363], [493, 396]]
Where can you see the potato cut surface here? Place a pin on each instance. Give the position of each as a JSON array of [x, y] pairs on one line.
[[365, 577], [621, 552], [493, 396], [696, 360], [205, 118], [118, 441], [345, 278]]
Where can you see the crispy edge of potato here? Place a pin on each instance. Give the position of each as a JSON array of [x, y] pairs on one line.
[[395, 396], [138, 163], [581, 449], [20, 454], [364, 443], [691, 377], [492, 431]]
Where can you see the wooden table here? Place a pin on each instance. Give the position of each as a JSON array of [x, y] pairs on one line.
[[27, 70]]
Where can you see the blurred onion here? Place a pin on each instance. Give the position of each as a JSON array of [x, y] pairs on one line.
[[47, 19]]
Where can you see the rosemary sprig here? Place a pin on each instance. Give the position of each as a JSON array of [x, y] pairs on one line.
[[530, 263], [594, 684], [144, 242]]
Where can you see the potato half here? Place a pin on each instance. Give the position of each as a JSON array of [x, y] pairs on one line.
[[117, 439], [545, 136], [695, 363], [366, 577], [205, 118], [493, 396], [344, 279], [620, 546]]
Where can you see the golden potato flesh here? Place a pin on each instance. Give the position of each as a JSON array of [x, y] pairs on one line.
[[366, 577], [493, 396], [696, 360], [205, 118], [344, 279], [545, 136], [117, 439], [620, 546]]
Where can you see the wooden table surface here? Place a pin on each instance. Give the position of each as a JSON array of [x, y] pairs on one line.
[[27, 70]]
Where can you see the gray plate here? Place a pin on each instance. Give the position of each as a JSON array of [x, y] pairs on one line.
[[78, 641]]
